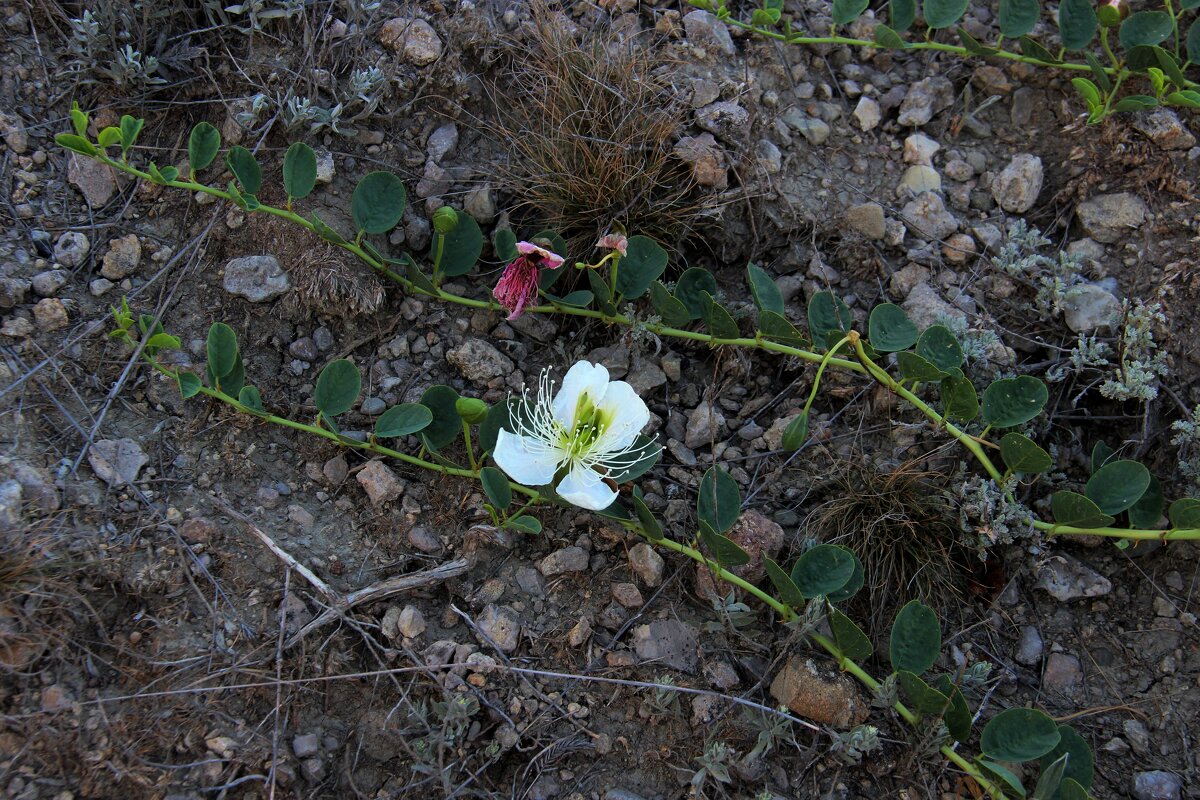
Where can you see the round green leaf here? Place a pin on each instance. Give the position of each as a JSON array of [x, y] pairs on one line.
[[691, 285], [189, 384], [1035, 49], [232, 383], [1185, 513], [1145, 28], [777, 328], [131, 127], [446, 425], [922, 698], [915, 367], [1022, 454], [943, 13], [337, 387], [495, 486], [1081, 764], [827, 314], [672, 311], [1148, 510], [504, 243], [1136, 102], [378, 202], [249, 397], [1071, 789], [940, 347], [1017, 17], [643, 262], [525, 524], [764, 290], [1077, 23], [972, 45], [1019, 735], [1014, 401], [719, 501], [846, 11], [850, 639], [203, 144], [299, 170], [890, 329], [724, 551], [222, 350], [462, 247], [857, 579], [245, 168], [402, 420], [959, 400], [1077, 511], [916, 638], [108, 137], [1102, 453], [796, 433], [1117, 485], [902, 14], [823, 570]]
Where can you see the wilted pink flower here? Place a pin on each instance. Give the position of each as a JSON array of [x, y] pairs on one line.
[[518, 285], [613, 241]]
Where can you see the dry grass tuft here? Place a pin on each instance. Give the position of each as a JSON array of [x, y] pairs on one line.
[[905, 531], [590, 128]]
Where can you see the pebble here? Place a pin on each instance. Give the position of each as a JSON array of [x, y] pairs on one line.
[[920, 149], [13, 291], [1088, 308], [411, 622], [12, 128], [1017, 186], [51, 315], [918, 179], [424, 539], [379, 482], [479, 361], [335, 470], [100, 287], [325, 165], [706, 159], [1157, 785], [11, 495], [256, 278], [769, 156], [705, 30], [372, 406], [927, 216], [647, 564], [704, 425], [672, 366], [415, 38], [725, 119], [826, 697], [959, 248], [313, 769], [304, 349], [306, 745], [580, 633], [628, 595], [991, 80], [926, 307], [502, 625], [71, 249], [867, 113], [924, 99], [903, 281], [957, 169], [989, 236], [1062, 674], [1108, 217], [531, 582], [93, 179], [669, 643], [1068, 579], [1029, 651], [1162, 126], [568, 559], [122, 259], [441, 142], [481, 204], [117, 462], [644, 375], [816, 131]]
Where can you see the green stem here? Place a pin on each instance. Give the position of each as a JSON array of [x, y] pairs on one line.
[[439, 248], [812, 395], [470, 450], [1108, 51]]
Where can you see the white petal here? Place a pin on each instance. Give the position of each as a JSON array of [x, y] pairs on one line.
[[628, 413], [582, 378], [525, 459], [584, 488]]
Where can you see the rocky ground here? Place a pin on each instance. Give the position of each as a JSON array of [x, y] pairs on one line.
[[153, 644]]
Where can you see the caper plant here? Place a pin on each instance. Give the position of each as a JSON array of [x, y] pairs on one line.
[[1154, 46]]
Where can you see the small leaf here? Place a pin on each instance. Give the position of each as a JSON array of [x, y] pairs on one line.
[[890, 329], [131, 127], [299, 170], [721, 324], [325, 232], [1077, 23], [1193, 42], [691, 285], [602, 291], [403, 420], [169, 173], [338, 386], [203, 144], [787, 590], [846, 11], [922, 698], [245, 168], [1019, 735], [943, 13], [79, 119], [644, 261], [1135, 102], [232, 383], [902, 14], [1088, 90], [1022, 454], [463, 247], [378, 202], [822, 570], [777, 328], [189, 384], [1081, 766], [1035, 49], [108, 137], [723, 550], [827, 314], [495, 486], [887, 37], [940, 347], [672, 311], [959, 400], [1170, 66], [222, 349], [163, 341], [1077, 511], [857, 579], [916, 638], [719, 501], [796, 433], [76, 144], [1017, 17], [765, 292], [651, 527], [249, 397], [957, 716], [1071, 789], [1145, 28], [1117, 485], [972, 45], [1188, 98], [1102, 453], [850, 639], [446, 426], [525, 524], [1014, 401], [1099, 73], [1185, 513], [1148, 510], [577, 299], [914, 367], [504, 243], [1004, 774]]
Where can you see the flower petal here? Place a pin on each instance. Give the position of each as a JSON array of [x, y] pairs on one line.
[[525, 459], [584, 488], [583, 377], [628, 413]]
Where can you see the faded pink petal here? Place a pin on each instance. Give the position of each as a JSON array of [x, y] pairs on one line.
[[543, 258], [518, 285], [613, 241]]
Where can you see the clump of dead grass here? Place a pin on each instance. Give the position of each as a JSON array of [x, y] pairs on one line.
[[590, 126]]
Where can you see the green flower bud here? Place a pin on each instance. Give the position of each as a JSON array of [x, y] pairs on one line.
[[471, 409], [1112, 12], [445, 220]]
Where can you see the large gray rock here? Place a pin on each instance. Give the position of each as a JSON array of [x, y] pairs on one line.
[[1157, 785], [1017, 186], [256, 278], [1108, 217], [480, 362], [669, 643], [705, 30], [1088, 307]]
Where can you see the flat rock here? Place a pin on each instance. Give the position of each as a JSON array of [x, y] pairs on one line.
[[93, 179], [50, 314], [1088, 307], [413, 38], [47, 283], [480, 362], [1063, 673], [646, 563], [927, 216], [256, 278], [1029, 651], [725, 119], [867, 113], [705, 30], [117, 462], [1017, 186], [924, 99], [1162, 126], [1108, 217], [441, 142], [920, 149], [926, 307], [71, 249], [379, 482], [568, 559], [1067, 579], [704, 425], [667, 642], [122, 259], [822, 695], [502, 625], [1157, 785], [918, 179]]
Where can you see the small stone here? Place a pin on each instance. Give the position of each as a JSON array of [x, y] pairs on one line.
[[481, 204], [704, 425], [12, 128], [335, 470], [924, 99], [1017, 186], [313, 769], [530, 581], [920, 149], [480, 362], [100, 287], [705, 30], [989, 236], [380, 483], [198, 530], [644, 375], [502, 625], [1029, 651], [568, 559], [903, 281], [17, 327], [725, 119], [824, 696], [926, 215], [580, 633], [37, 487], [11, 496], [415, 38], [372, 406], [304, 349], [1108, 217], [1162, 126], [667, 642], [325, 166], [627, 594], [926, 307], [13, 291], [306, 745], [1088, 308], [56, 698], [867, 113], [1157, 785], [71, 249], [959, 248], [957, 169], [93, 179], [917, 179], [117, 462], [122, 259], [647, 564], [1138, 736], [441, 142], [816, 131], [705, 157], [424, 539], [256, 278], [1062, 673], [51, 315], [769, 156], [1067, 579], [47, 284], [704, 92], [411, 622]]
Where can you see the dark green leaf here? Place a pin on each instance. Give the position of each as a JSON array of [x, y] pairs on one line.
[[203, 144], [1017, 17], [1141, 58], [169, 173], [777, 328], [643, 262], [602, 291], [251, 399], [446, 425], [1101, 455], [525, 524], [765, 292], [650, 452], [902, 14], [495, 486], [1004, 774], [1089, 91], [1035, 49], [940, 347], [498, 416], [823, 570], [378, 202], [299, 170], [325, 232], [232, 383], [1070, 789], [959, 400], [1022, 454], [846, 11], [691, 285], [1185, 513], [222, 349], [1098, 71], [787, 590], [1148, 510], [462, 248], [651, 527], [1081, 766], [1170, 67], [1136, 102], [1077, 511], [189, 384], [1188, 98], [581, 298], [850, 639], [1146, 28], [916, 638], [1019, 735], [79, 119], [504, 243], [914, 367], [1117, 485], [337, 388], [922, 698], [723, 550], [721, 324], [827, 313], [672, 311], [796, 432], [719, 501], [1193, 42], [245, 168], [131, 127], [76, 144], [957, 716], [1014, 401], [402, 420], [890, 329], [886, 37], [1077, 23], [857, 579], [943, 13]]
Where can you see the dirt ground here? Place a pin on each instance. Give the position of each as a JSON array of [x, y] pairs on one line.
[[154, 646]]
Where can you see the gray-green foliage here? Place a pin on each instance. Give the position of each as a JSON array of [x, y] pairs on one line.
[[989, 513], [1187, 439], [1136, 375]]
